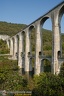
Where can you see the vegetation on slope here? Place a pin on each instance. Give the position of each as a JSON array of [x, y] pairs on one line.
[[9, 76], [42, 85], [3, 47], [10, 28], [47, 84]]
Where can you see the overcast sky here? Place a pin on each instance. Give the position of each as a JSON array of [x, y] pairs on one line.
[[26, 11]]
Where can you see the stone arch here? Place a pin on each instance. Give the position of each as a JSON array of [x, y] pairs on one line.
[[45, 40], [43, 20], [31, 27], [45, 65]]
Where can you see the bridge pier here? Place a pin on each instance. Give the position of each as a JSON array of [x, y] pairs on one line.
[[56, 44], [15, 48], [11, 46], [28, 67], [8, 43], [38, 49], [20, 50]]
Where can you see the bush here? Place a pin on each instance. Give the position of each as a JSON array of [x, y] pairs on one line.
[[47, 84]]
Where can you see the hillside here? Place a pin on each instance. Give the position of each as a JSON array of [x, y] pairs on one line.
[[10, 28], [9, 77]]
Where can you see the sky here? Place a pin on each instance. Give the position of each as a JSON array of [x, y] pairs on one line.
[[26, 11]]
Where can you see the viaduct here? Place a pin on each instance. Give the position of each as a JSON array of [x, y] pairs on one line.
[[16, 43]]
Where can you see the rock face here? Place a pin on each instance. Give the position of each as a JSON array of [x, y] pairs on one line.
[[4, 37]]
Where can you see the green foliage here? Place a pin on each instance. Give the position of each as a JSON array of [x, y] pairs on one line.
[[10, 28], [61, 74], [9, 76], [47, 66], [47, 84], [3, 47]]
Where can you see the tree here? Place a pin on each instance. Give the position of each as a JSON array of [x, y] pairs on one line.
[[47, 84], [61, 74]]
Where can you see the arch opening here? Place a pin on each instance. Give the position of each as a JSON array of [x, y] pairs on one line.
[[61, 21], [46, 36], [59, 54], [45, 65]]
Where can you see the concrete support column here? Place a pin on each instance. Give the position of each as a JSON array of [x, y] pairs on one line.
[[38, 49], [11, 46], [15, 48], [28, 68], [56, 48], [20, 51], [8, 43]]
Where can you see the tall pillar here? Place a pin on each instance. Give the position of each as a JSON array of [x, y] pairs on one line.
[[56, 45], [8, 43], [27, 60], [11, 46], [20, 51], [38, 49], [15, 48]]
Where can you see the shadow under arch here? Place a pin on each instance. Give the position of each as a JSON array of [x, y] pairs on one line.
[[42, 21], [45, 65]]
